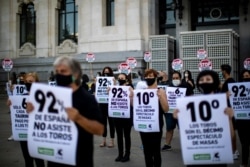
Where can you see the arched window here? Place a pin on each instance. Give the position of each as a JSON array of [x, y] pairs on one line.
[[68, 21], [28, 24]]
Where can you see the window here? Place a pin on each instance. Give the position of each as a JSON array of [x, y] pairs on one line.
[[110, 12], [28, 24], [68, 21]]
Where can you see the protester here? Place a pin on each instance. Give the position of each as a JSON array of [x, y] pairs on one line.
[[84, 113], [152, 140], [162, 78], [188, 81], [226, 73], [243, 127], [208, 83], [28, 79], [108, 72], [85, 80], [123, 125]]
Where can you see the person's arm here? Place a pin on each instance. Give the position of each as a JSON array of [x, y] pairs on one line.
[[91, 126], [229, 111], [131, 96], [163, 99]]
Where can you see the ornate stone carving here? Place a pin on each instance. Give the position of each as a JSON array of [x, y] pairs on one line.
[[68, 46], [28, 49]]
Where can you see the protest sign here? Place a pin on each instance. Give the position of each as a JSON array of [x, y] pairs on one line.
[[173, 93], [19, 89], [101, 89]]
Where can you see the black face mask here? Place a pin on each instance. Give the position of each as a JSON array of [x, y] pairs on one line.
[[121, 81], [206, 88], [63, 80], [107, 74], [246, 79], [28, 86], [150, 81], [21, 82], [159, 79]]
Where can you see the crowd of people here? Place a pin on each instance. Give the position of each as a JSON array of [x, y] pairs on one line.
[[92, 118]]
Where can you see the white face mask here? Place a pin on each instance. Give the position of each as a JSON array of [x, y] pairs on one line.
[[186, 75], [176, 82]]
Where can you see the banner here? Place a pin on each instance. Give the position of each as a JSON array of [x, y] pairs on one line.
[[204, 130], [146, 110], [119, 102], [101, 89], [240, 99], [51, 135], [173, 93], [19, 117]]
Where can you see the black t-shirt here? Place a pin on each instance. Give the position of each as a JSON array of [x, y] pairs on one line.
[[225, 84], [87, 106]]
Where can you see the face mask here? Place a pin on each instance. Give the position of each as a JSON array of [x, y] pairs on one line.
[[150, 81], [246, 79], [186, 75], [64, 80], [159, 79], [206, 88], [28, 86], [121, 81], [176, 82], [107, 74], [21, 82]]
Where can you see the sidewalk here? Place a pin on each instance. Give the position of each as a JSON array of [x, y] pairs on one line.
[[11, 155]]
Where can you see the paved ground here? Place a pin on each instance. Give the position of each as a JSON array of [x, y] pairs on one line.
[[11, 156]]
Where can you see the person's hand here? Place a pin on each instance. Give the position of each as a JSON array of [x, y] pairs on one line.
[[175, 113], [73, 113], [8, 103], [29, 107], [161, 93], [229, 111], [114, 81]]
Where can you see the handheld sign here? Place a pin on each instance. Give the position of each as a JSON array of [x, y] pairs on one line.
[[124, 68], [147, 57], [164, 87], [119, 102], [177, 64], [19, 117], [247, 63], [204, 130], [90, 57], [52, 83], [7, 64], [131, 61], [51, 135], [101, 89], [205, 64], [240, 99], [173, 93], [146, 110], [19, 89], [201, 54]]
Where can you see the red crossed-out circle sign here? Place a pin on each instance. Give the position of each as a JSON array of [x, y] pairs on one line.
[[90, 57], [205, 64], [124, 68], [147, 56], [201, 54], [177, 64], [7, 64], [131, 61]]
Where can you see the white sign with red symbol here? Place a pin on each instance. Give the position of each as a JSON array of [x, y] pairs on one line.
[[177, 64], [147, 57], [90, 57], [7, 64], [201, 54], [131, 61], [124, 68], [205, 64], [247, 63]]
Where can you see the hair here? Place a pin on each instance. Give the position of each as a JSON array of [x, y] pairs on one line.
[[176, 72], [213, 74], [110, 70], [85, 78], [74, 66], [189, 74], [127, 77], [150, 71], [242, 73], [32, 74], [226, 67]]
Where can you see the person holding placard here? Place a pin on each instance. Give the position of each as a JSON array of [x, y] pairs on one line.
[[123, 125], [28, 79], [208, 83], [243, 127], [152, 140], [108, 72]]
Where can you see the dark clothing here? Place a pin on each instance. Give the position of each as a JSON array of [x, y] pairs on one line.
[[190, 88], [104, 110], [219, 165], [225, 84], [28, 159], [152, 144], [244, 135], [87, 106], [164, 83], [85, 86]]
